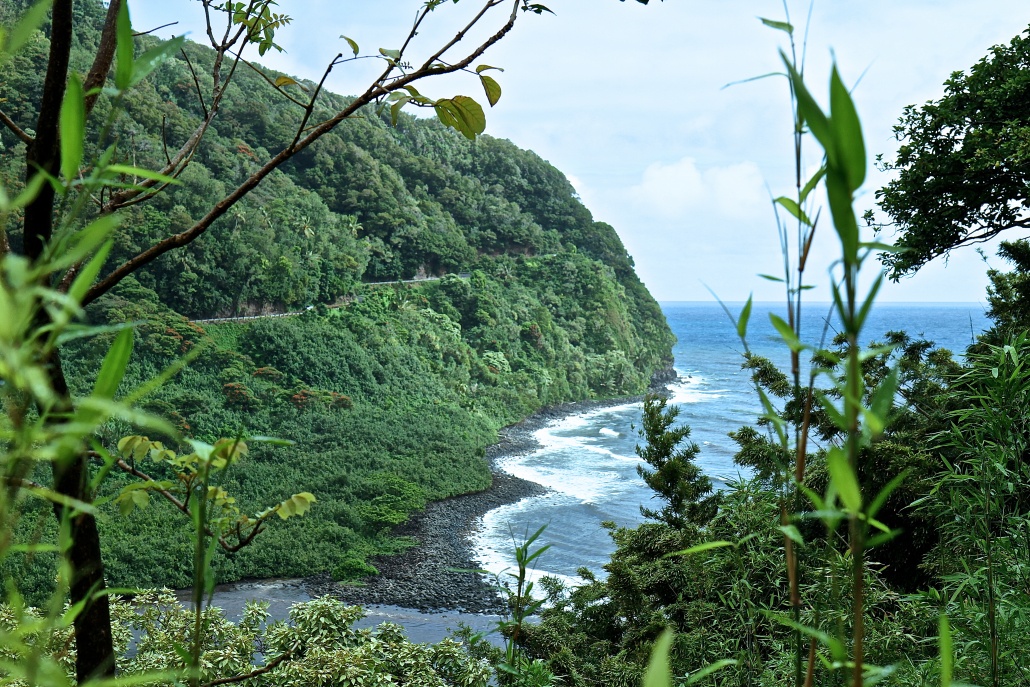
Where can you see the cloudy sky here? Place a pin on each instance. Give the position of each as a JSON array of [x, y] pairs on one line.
[[629, 102]]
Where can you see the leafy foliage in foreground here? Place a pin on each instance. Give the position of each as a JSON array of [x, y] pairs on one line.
[[317, 645]]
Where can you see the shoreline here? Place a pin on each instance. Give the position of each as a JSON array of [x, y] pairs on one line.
[[438, 574]]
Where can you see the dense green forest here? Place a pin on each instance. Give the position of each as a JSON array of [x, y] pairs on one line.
[[391, 394]]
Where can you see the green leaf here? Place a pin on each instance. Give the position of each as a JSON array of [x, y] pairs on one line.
[[395, 109], [463, 114], [792, 533], [699, 675], [809, 112], [946, 649], [699, 548], [771, 277], [73, 128], [113, 368], [745, 315], [88, 274], [867, 305], [284, 81], [786, 333], [794, 209], [353, 45], [847, 130], [154, 58], [86, 241], [492, 89], [29, 23], [485, 67], [844, 221], [392, 54], [843, 479], [124, 49], [778, 25], [813, 182], [883, 398], [131, 171], [659, 673]]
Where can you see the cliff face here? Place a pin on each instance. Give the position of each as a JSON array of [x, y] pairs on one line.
[[391, 393]]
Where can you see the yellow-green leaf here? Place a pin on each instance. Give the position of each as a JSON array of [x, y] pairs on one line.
[[492, 89], [352, 44]]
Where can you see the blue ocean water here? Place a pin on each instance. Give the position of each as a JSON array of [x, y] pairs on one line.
[[588, 461]]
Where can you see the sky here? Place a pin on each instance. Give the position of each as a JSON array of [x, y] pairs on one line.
[[631, 103]]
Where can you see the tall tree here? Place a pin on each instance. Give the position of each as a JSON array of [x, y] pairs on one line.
[[963, 167], [231, 29]]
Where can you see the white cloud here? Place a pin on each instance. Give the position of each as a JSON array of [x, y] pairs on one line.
[[674, 191]]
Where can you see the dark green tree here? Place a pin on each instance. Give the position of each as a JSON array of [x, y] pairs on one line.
[[676, 478], [963, 167]]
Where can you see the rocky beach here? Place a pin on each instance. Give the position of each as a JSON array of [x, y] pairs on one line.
[[439, 573]]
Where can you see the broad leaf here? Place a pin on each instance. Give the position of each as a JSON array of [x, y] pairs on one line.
[[492, 89], [353, 45]]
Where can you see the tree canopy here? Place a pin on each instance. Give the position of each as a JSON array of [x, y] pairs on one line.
[[963, 167]]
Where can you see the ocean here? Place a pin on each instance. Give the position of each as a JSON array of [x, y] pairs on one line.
[[587, 460]]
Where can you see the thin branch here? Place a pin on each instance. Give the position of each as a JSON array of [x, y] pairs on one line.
[[156, 28], [23, 483], [377, 90], [196, 83], [183, 506], [268, 80], [461, 34], [267, 668], [17, 130]]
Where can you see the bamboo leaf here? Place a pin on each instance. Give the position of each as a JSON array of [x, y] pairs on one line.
[[153, 58], [88, 274], [124, 49], [794, 209], [745, 315], [809, 112], [699, 675], [659, 673], [786, 333], [705, 546], [73, 128], [847, 130], [778, 25], [813, 182], [946, 650], [113, 368], [844, 480], [29, 23]]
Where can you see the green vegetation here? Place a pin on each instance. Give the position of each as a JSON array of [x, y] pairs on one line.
[[391, 398], [883, 538], [132, 198]]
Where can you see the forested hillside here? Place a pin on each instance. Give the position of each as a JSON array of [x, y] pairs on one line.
[[392, 393]]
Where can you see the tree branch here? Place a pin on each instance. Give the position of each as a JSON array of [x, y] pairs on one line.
[[242, 540], [267, 668], [15, 129], [104, 57]]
